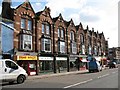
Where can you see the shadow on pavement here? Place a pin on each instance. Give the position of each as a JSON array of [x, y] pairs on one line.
[[7, 83]]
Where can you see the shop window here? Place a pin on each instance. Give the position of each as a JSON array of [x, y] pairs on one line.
[[46, 66], [61, 47], [26, 42], [32, 67], [61, 65], [46, 45]]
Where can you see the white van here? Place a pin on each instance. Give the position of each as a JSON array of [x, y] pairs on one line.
[[10, 72]]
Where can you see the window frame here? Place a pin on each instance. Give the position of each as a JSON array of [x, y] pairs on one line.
[[11, 65], [46, 29], [74, 47], [29, 24], [72, 35], [26, 38], [43, 43], [61, 32], [23, 22], [61, 47]]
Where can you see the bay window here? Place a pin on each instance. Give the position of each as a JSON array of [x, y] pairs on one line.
[[26, 42], [73, 48], [46, 45], [61, 47]]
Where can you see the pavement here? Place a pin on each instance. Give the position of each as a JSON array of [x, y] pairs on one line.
[[55, 74]]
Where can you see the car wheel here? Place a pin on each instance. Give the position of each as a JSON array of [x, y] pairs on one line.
[[20, 79], [89, 71]]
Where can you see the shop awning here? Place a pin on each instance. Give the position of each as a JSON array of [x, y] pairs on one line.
[[84, 60], [98, 58], [104, 58]]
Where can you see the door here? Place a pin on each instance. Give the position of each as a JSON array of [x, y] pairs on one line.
[[11, 70]]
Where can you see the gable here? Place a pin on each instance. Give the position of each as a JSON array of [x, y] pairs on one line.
[[25, 8]]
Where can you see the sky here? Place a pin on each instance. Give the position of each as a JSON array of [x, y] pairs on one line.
[[102, 15]]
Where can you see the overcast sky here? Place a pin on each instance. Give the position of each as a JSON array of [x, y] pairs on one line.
[[102, 15]]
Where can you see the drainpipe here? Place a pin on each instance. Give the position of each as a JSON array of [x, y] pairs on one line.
[[54, 60], [68, 55]]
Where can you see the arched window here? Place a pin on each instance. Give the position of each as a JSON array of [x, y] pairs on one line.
[[72, 36], [46, 28], [82, 38], [61, 32]]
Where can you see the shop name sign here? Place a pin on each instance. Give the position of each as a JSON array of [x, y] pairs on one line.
[[45, 58], [26, 57]]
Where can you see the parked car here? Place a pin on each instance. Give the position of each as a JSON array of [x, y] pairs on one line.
[[94, 66], [11, 71]]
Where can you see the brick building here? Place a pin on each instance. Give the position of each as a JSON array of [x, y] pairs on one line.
[[45, 44]]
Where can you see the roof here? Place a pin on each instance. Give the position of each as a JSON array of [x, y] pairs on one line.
[[27, 1], [55, 19]]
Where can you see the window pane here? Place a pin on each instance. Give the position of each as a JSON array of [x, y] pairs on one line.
[[29, 25], [22, 23], [73, 37], [58, 32], [43, 28], [47, 45], [47, 29], [27, 42], [62, 33], [74, 50], [62, 47], [70, 35]]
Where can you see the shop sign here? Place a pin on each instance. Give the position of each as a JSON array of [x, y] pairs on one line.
[[26, 57], [73, 59], [61, 58], [45, 58]]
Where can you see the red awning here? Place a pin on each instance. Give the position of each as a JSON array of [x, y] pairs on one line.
[[83, 60]]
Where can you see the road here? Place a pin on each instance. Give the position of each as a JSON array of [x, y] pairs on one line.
[[106, 79]]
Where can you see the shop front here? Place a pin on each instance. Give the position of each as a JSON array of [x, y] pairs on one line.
[[46, 64], [61, 64], [29, 63], [83, 62], [73, 62]]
